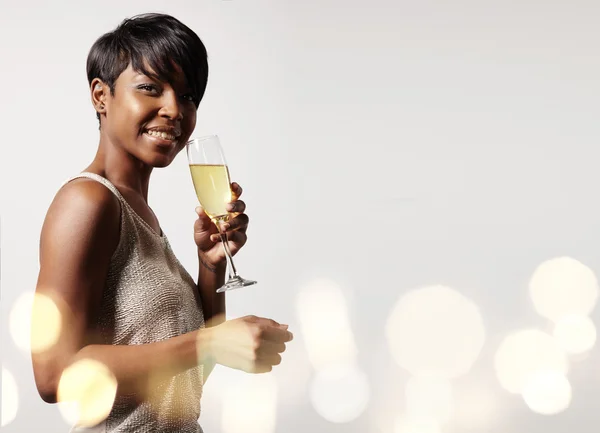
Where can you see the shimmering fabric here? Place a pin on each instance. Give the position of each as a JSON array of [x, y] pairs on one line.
[[149, 297]]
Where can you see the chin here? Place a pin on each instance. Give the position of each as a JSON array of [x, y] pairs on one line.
[[161, 162], [158, 160]]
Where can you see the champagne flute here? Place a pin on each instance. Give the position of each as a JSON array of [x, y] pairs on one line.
[[210, 175]]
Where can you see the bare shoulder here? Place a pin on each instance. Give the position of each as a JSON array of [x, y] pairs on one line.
[[84, 213], [87, 193]]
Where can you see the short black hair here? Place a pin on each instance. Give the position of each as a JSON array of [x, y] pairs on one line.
[[158, 39]]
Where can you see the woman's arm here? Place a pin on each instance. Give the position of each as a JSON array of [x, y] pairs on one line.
[[210, 278], [79, 236]]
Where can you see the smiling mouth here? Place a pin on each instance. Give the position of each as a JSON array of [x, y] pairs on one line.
[[162, 138]]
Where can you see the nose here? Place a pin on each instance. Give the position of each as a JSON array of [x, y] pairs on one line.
[[171, 107]]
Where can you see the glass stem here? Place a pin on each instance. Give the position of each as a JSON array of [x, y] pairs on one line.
[[223, 237]]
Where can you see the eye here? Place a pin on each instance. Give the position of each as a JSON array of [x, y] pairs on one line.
[[189, 97], [150, 88]]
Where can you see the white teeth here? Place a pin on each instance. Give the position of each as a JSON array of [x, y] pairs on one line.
[[163, 135]]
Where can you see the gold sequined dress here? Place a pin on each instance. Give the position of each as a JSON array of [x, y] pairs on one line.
[[148, 297]]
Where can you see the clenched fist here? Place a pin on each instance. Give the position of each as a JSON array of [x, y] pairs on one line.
[[252, 344]]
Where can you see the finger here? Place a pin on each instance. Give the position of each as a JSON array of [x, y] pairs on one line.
[[236, 206], [261, 367], [270, 359], [237, 238], [236, 191], [201, 226], [240, 222], [270, 347], [277, 335], [200, 212], [202, 216]]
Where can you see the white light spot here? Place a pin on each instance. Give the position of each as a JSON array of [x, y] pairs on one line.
[[250, 405], [35, 322], [10, 397], [19, 321], [429, 398], [409, 425], [563, 286], [547, 392], [325, 324], [525, 352], [575, 334], [340, 394], [477, 406], [435, 331]]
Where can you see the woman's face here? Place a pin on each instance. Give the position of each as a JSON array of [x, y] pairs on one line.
[[149, 119]]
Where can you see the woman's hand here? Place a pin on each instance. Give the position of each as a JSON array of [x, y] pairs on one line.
[[207, 237], [252, 344]]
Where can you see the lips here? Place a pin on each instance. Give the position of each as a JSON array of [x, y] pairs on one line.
[[163, 136]]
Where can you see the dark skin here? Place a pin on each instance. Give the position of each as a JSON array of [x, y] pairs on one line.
[[81, 232]]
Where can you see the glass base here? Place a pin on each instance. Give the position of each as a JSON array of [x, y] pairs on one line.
[[236, 282]]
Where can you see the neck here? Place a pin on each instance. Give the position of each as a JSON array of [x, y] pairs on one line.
[[121, 168]]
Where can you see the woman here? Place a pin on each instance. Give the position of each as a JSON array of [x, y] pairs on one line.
[[125, 299]]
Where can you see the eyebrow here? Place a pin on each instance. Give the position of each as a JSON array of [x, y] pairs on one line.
[[185, 85]]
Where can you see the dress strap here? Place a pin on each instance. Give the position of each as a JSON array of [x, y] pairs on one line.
[[100, 179]]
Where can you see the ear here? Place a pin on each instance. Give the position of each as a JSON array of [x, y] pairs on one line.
[[99, 92]]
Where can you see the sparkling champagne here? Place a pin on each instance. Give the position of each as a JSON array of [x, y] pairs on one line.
[[212, 188]]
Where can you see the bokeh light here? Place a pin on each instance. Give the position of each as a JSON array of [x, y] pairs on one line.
[[86, 391], [10, 397], [250, 405], [563, 286], [293, 375], [35, 322], [340, 393], [524, 353], [547, 392], [405, 424], [576, 334], [435, 331], [325, 325], [429, 398], [477, 405]]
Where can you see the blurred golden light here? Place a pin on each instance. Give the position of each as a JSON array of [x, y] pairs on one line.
[[525, 352], [35, 322], [19, 320], [406, 424], [325, 324], [429, 398], [435, 331], [87, 391], [250, 405], [46, 323], [576, 334], [69, 411], [563, 286], [547, 392], [10, 397], [340, 393]]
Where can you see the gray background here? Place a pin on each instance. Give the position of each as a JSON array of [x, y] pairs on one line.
[[382, 144]]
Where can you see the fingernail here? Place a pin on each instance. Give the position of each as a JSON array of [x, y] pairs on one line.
[[230, 207], [225, 226], [284, 326]]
